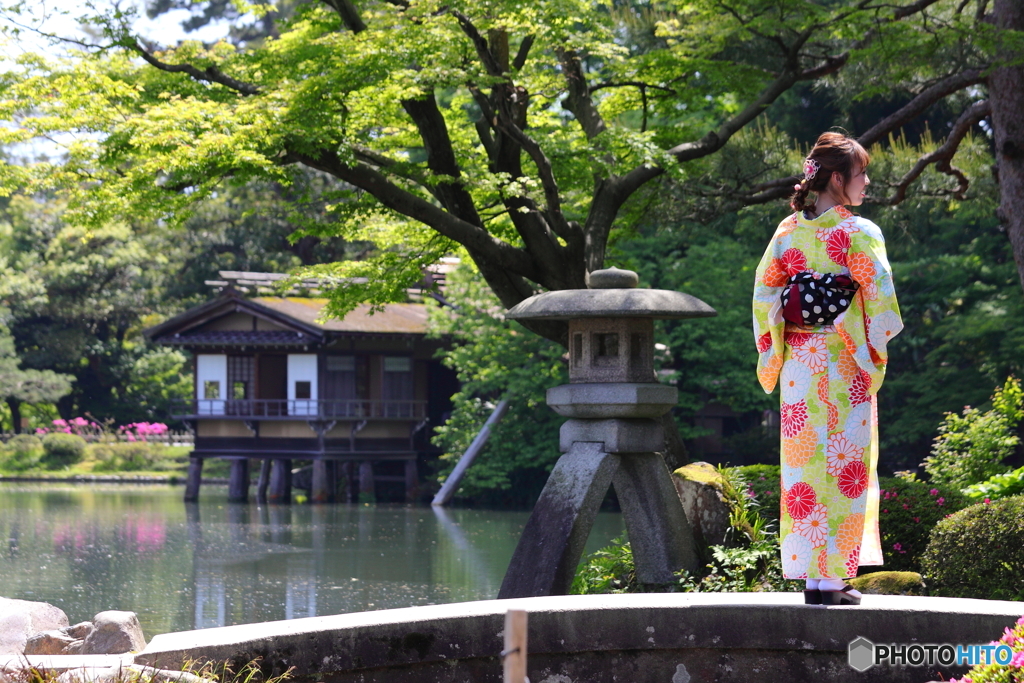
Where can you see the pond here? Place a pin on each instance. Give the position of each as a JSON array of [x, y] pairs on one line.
[[87, 548]]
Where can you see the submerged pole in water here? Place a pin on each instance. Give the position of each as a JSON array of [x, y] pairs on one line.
[[451, 484]]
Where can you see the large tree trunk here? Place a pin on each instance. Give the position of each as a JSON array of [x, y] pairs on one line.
[[1006, 93], [15, 406]]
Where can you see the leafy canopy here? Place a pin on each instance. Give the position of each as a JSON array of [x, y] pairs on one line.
[[522, 131]]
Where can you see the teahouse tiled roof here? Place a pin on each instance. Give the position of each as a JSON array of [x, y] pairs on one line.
[[243, 338], [298, 315], [394, 319]]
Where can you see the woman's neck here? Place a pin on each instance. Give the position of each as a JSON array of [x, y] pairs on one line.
[[825, 201]]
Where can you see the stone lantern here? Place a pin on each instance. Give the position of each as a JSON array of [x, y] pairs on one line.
[[612, 437]]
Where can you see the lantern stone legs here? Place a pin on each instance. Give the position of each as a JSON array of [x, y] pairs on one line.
[[599, 453]]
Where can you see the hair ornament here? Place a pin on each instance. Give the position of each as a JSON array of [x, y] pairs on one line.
[[810, 168], [796, 188]]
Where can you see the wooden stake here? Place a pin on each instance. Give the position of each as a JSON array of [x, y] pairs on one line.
[[514, 655]]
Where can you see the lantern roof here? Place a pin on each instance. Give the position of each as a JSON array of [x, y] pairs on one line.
[[613, 293]]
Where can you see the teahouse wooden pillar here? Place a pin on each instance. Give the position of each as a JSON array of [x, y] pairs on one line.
[[280, 482], [193, 480], [349, 472], [367, 488], [323, 485], [412, 481], [238, 481]]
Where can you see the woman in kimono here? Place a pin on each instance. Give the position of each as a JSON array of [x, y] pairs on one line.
[[829, 374]]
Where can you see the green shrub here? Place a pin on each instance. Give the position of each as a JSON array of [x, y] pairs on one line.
[[127, 457], [971, 446], [997, 486], [907, 512], [61, 450], [608, 570], [978, 552], [22, 452], [764, 482]]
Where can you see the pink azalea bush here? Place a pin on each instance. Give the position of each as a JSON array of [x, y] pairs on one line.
[[80, 426], [908, 511], [1001, 673], [139, 431]]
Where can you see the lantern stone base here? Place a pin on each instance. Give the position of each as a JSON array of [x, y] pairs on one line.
[[616, 435], [619, 399]]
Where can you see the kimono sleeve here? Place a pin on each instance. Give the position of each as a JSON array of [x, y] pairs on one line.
[[769, 326], [873, 319]]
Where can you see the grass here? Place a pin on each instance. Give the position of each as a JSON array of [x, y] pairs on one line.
[[161, 461], [192, 672]]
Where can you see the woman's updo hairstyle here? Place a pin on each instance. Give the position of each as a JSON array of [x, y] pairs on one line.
[[832, 153]]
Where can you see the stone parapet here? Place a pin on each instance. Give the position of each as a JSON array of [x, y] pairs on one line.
[[726, 637]]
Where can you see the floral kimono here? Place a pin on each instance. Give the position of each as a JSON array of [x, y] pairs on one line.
[[829, 375]]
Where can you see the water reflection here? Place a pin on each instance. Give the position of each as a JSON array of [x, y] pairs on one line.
[[89, 548]]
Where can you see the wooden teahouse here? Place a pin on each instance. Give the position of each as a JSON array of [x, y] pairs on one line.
[[356, 397]]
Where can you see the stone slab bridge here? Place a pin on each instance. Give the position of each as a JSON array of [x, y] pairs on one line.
[[663, 637]]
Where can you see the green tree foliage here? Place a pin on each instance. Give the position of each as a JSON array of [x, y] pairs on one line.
[[497, 358], [214, 11], [972, 446], [710, 359], [20, 385], [78, 297], [526, 133], [261, 227]]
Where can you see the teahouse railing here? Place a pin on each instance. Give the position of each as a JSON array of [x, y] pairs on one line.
[[279, 409]]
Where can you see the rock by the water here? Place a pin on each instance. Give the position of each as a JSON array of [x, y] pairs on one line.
[[22, 619], [49, 643], [700, 486], [114, 633], [80, 630]]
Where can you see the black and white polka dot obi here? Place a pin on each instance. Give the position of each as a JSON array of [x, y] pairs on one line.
[[816, 298]]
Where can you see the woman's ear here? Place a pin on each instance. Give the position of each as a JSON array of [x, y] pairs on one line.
[[837, 178]]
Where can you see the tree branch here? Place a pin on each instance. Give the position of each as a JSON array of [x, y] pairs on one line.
[[579, 101], [479, 42], [404, 171], [919, 104], [408, 204], [524, 50], [441, 157], [210, 74], [348, 13], [633, 84], [610, 195], [943, 155]]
